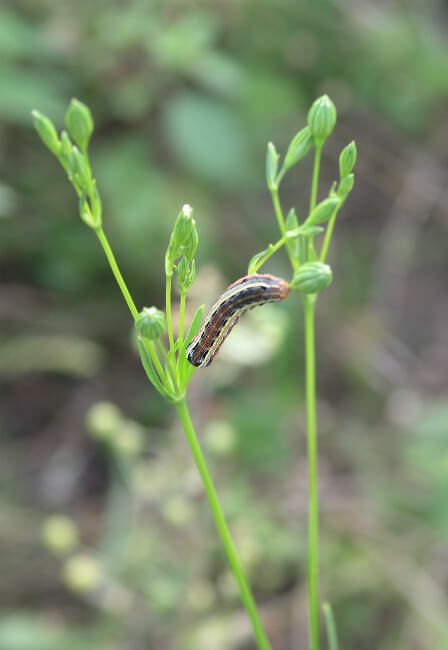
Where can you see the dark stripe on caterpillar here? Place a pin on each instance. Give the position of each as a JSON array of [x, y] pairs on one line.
[[244, 294]]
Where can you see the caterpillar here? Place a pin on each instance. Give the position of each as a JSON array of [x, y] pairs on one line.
[[244, 294]]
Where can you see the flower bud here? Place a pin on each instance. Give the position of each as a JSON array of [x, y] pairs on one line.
[[183, 240], [312, 277], [46, 131], [298, 148], [323, 211], [346, 186], [59, 534], [79, 122], [347, 159], [322, 118], [150, 323], [186, 273], [272, 158]]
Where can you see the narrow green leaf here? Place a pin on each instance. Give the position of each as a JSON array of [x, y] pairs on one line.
[[195, 324], [272, 158], [150, 370], [256, 260], [330, 626]]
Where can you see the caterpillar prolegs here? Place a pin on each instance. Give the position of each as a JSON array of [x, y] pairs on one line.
[[244, 294]]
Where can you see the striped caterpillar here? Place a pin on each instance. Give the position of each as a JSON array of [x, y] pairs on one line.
[[244, 294]]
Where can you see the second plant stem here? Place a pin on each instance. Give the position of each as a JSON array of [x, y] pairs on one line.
[[313, 511], [222, 528]]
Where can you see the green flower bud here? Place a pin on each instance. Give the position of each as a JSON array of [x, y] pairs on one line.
[[82, 173], [151, 323], [66, 155], [183, 240], [82, 573], [322, 118], [323, 211], [59, 534], [346, 186], [186, 273], [298, 148], [347, 160], [47, 132], [312, 277], [272, 158], [79, 122]]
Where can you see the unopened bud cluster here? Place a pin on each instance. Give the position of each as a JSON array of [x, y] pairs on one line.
[[182, 248], [70, 148]]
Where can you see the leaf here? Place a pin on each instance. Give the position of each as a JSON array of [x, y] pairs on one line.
[[330, 626], [150, 370], [272, 158], [256, 261]]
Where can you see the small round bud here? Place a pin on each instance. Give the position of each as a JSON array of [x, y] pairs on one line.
[[79, 122], [46, 131], [151, 323], [312, 277], [322, 118], [82, 573], [59, 534]]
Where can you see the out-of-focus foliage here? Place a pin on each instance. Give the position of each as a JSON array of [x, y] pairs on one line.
[[185, 96]]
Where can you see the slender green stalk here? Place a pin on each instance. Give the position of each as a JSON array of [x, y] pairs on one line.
[[282, 225], [221, 525], [327, 238], [171, 374], [182, 319], [169, 317], [315, 180], [313, 514], [116, 271]]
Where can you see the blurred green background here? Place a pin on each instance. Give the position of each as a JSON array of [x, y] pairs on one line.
[[105, 539]]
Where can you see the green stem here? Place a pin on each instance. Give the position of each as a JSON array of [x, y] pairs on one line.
[[221, 525], [282, 225], [169, 317], [327, 238], [181, 320], [170, 374], [272, 249], [315, 180], [116, 271], [313, 514]]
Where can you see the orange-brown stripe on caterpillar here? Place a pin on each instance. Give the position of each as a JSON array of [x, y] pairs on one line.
[[244, 294]]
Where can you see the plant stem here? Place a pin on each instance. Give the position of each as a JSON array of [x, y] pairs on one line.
[[313, 513], [327, 238], [222, 528], [315, 180], [169, 317], [282, 225], [181, 320], [116, 271]]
